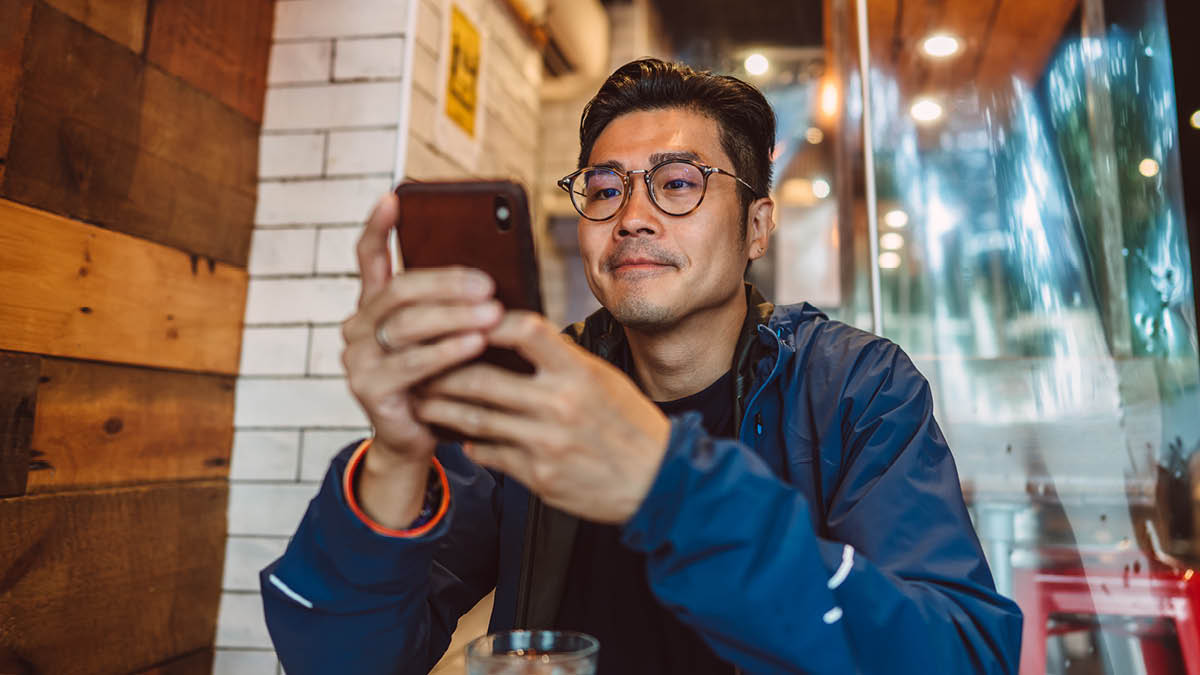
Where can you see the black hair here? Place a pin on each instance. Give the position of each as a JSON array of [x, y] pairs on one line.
[[743, 116]]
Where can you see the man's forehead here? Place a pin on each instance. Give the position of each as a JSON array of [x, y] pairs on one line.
[[647, 137]]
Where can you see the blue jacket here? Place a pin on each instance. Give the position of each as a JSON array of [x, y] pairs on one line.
[[830, 537]]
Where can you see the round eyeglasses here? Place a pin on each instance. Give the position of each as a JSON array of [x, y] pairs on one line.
[[676, 187]]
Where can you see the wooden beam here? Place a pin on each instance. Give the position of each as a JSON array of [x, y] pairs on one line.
[[113, 581], [105, 425], [196, 663], [75, 290], [18, 400], [220, 47], [105, 138], [123, 21], [14, 26]]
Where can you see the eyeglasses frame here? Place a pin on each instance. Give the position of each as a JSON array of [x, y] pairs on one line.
[[626, 176]]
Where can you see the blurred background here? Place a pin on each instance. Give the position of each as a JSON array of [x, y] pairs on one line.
[[1006, 188]]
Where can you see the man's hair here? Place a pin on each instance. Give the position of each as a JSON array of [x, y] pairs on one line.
[[743, 116]]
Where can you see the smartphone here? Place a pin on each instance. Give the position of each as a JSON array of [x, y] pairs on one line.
[[480, 224]]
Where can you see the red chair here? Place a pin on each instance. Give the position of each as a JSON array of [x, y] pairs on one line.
[[1116, 585]]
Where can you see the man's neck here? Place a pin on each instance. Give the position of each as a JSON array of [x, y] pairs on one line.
[[692, 355]]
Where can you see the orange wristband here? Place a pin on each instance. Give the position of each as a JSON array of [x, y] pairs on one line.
[[352, 501]]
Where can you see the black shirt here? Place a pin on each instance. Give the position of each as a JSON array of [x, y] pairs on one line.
[[609, 597]]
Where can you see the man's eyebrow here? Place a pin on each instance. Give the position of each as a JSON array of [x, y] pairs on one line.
[[660, 157], [610, 164]]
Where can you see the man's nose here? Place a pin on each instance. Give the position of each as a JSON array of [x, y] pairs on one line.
[[640, 216]]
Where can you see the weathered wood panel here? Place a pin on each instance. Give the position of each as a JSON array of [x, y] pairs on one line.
[[18, 400], [218, 46], [14, 25], [105, 425], [123, 21], [75, 290], [103, 137], [112, 581], [196, 663]]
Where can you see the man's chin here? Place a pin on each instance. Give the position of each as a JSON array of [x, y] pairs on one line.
[[642, 313]]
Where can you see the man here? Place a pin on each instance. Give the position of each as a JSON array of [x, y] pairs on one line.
[[705, 482]]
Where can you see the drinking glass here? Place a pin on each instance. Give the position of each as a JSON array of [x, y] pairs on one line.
[[533, 652]]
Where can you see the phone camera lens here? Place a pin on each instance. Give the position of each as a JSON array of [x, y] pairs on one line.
[[503, 213]]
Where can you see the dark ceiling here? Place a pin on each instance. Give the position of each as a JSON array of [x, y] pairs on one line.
[[729, 24]]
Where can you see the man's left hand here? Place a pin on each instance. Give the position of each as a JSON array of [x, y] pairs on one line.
[[578, 432]]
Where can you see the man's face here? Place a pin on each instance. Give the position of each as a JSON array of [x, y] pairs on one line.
[[649, 269]]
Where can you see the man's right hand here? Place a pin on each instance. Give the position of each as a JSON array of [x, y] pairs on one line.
[[408, 328]]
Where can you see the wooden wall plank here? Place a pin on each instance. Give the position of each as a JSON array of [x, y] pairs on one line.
[[103, 137], [123, 21], [105, 425], [18, 401], [14, 25], [218, 46], [111, 581], [75, 290], [196, 663]]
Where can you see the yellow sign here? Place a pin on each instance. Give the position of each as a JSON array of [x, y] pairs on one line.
[[462, 85]]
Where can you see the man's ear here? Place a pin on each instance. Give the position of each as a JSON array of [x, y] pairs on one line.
[[760, 223]]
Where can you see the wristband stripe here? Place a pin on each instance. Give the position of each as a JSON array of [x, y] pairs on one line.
[[352, 500]]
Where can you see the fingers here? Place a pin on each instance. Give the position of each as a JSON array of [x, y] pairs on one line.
[[506, 459], [435, 286], [534, 338], [475, 421], [418, 323], [491, 386], [400, 370], [374, 258]]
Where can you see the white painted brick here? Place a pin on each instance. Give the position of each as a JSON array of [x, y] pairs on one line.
[[276, 301], [325, 402], [265, 455], [265, 509], [291, 155], [244, 662], [422, 115], [245, 556], [319, 447], [288, 251], [425, 70], [274, 351], [356, 152], [240, 621], [365, 58], [322, 18], [293, 62], [325, 355], [355, 104], [335, 250], [343, 200], [429, 25]]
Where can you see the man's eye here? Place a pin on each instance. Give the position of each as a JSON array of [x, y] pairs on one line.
[[678, 184], [605, 193]]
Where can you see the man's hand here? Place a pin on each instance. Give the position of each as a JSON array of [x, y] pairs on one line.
[[577, 432], [408, 327]]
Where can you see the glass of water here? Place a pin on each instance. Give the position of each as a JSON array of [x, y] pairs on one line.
[[533, 652]]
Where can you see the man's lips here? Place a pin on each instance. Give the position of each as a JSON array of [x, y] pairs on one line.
[[639, 262]]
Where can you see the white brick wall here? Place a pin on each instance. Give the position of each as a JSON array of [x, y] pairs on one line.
[[337, 81]]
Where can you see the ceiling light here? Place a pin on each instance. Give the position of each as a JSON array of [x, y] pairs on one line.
[[829, 99], [1196, 120], [756, 64], [1148, 168], [926, 110], [941, 45], [820, 188], [895, 218], [891, 241], [889, 260], [814, 135], [797, 192]]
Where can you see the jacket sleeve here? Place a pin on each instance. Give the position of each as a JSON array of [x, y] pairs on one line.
[[343, 598], [900, 584]]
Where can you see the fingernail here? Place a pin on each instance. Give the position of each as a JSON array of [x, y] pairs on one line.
[[488, 311], [479, 283]]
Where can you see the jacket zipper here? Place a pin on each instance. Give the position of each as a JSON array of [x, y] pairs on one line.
[[525, 579]]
